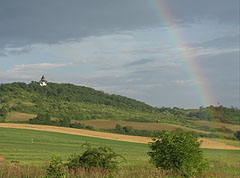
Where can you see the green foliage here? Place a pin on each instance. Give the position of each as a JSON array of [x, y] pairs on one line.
[[217, 113], [4, 99], [55, 168], [100, 157], [82, 103], [45, 119], [3, 112], [129, 130], [224, 130], [237, 134], [69, 102], [41, 119], [118, 128], [72, 93], [178, 151]]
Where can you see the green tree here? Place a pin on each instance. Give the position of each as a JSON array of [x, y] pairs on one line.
[[128, 129], [178, 151], [237, 134], [118, 128], [4, 111]]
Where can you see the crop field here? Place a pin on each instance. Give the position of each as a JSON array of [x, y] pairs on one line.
[[17, 116], [34, 148], [217, 125], [207, 143], [37, 147], [104, 124]]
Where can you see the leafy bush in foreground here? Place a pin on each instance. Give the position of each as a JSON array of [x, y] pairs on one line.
[[101, 157], [55, 169], [178, 151]]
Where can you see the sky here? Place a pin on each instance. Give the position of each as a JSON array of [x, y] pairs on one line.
[[166, 53]]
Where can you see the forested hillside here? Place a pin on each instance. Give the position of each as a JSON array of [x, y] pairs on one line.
[[69, 93], [83, 103]]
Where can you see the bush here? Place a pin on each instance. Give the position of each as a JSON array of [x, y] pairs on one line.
[[55, 169], [178, 151], [101, 157], [224, 130], [237, 135]]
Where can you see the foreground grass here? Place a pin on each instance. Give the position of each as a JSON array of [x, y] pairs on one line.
[[134, 171], [33, 150]]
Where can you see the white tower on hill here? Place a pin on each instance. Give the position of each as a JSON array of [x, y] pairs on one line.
[[43, 81]]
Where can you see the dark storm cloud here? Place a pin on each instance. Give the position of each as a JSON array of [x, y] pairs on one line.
[[25, 22]]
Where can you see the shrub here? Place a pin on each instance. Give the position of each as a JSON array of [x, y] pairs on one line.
[[101, 157], [55, 169], [224, 130], [178, 151], [237, 134]]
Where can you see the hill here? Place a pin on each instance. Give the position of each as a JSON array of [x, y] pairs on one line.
[[78, 103]]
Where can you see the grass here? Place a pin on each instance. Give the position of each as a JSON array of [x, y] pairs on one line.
[[213, 124], [228, 142], [16, 145]]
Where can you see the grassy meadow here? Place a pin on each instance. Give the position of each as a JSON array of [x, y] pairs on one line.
[[16, 144], [35, 148]]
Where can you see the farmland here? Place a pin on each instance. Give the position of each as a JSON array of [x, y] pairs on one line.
[[64, 116], [17, 145], [207, 143]]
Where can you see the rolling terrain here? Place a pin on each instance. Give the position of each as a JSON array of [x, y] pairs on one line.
[[68, 103]]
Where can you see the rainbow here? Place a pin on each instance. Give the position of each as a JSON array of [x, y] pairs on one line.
[[201, 84]]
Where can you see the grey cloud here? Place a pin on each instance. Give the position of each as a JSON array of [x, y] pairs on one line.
[[27, 22], [225, 43], [139, 62], [225, 63], [15, 50], [221, 42], [28, 72]]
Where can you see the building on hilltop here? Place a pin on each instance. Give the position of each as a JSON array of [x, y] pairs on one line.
[[43, 81]]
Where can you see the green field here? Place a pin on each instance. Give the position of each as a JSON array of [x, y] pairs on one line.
[[16, 144]]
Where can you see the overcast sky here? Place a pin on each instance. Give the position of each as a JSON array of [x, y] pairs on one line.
[[142, 49]]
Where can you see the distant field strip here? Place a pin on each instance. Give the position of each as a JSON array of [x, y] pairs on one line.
[[137, 125], [137, 139], [17, 116], [217, 125]]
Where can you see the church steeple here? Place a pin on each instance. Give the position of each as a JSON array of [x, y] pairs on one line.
[[43, 81]]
